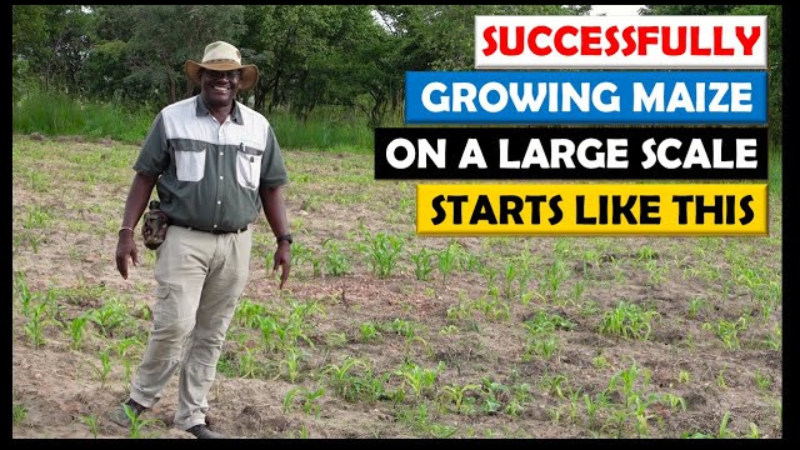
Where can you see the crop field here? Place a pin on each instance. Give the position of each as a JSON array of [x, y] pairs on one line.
[[381, 333]]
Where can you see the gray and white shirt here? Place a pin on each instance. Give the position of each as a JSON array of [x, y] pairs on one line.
[[210, 173]]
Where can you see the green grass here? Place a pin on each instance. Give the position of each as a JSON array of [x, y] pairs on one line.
[[775, 170], [55, 114], [328, 129]]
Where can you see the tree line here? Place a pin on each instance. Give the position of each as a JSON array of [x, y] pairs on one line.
[[309, 56]]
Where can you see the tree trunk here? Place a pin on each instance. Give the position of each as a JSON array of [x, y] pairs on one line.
[[172, 98], [275, 95], [260, 94], [189, 89]]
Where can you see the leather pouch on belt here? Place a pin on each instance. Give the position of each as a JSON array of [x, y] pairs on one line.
[[154, 227]]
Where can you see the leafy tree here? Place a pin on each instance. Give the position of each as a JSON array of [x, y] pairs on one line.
[[774, 43]]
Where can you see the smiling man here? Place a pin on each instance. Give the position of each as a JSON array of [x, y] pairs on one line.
[[215, 163]]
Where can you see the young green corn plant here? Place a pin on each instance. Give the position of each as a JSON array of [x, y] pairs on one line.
[[423, 264], [371, 387], [656, 272], [446, 260], [562, 248], [369, 332], [137, 422], [340, 377], [773, 340], [336, 339], [673, 401], [25, 295], [110, 316], [449, 330], [495, 310], [460, 311], [249, 367], [628, 321], [37, 218], [419, 379], [695, 305], [577, 290], [417, 418], [490, 273], [308, 398], [594, 406], [724, 432], [574, 401], [543, 347], [628, 377], [543, 323], [508, 280], [764, 382], [91, 422], [600, 362], [524, 276], [728, 331], [721, 379], [292, 362], [456, 394], [124, 345], [128, 370], [76, 329], [248, 313], [271, 332], [514, 407], [468, 262], [642, 415], [19, 414], [383, 251], [552, 384], [754, 432], [104, 369], [554, 276], [288, 399], [335, 260], [36, 323], [403, 328]]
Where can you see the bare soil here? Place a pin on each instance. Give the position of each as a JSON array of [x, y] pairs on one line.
[[68, 200]]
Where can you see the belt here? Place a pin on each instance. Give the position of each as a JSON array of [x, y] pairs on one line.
[[240, 230]]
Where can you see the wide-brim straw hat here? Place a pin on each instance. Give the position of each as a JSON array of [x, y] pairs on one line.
[[222, 56]]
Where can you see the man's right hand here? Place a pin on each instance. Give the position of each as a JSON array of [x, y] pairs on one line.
[[126, 247]]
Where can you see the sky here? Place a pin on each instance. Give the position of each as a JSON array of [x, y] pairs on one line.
[[616, 10]]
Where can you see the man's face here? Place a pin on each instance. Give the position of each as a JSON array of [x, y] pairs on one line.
[[220, 88]]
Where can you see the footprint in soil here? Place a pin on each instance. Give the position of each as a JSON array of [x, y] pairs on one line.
[[694, 401], [251, 420]]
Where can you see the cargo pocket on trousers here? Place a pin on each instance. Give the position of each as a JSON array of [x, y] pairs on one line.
[[162, 309]]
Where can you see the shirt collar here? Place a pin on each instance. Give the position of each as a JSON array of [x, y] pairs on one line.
[[202, 110]]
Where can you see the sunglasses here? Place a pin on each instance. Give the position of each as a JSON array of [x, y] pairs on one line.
[[215, 75]]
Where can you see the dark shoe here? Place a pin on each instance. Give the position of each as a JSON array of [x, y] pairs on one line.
[[120, 417], [203, 432]]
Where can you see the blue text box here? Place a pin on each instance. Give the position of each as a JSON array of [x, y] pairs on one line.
[[593, 97]]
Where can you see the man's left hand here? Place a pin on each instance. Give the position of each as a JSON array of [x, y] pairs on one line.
[[283, 258]]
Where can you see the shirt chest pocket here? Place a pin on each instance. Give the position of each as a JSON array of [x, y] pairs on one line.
[[190, 162], [248, 166]]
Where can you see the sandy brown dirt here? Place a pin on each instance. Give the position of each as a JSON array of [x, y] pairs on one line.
[[68, 201]]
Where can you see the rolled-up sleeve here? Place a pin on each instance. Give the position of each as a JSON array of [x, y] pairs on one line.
[[153, 158]]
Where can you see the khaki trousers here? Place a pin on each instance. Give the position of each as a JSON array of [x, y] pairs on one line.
[[200, 279]]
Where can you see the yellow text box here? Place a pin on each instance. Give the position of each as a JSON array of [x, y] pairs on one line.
[[592, 209]]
